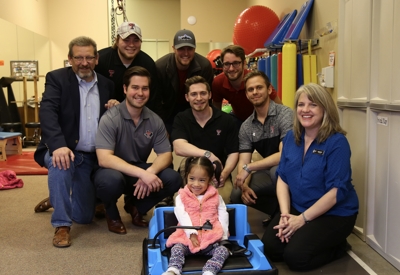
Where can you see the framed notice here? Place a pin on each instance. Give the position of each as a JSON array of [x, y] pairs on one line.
[[24, 68]]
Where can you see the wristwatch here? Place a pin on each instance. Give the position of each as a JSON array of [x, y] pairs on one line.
[[207, 154], [245, 168]]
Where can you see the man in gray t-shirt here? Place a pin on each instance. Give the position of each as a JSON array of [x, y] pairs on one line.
[[125, 138], [263, 131]]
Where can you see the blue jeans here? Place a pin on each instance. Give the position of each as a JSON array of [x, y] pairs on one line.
[[72, 193]]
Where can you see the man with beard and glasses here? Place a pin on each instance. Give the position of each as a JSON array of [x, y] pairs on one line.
[[263, 131], [174, 68], [73, 102], [124, 54], [126, 136], [230, 84], [203, 130]]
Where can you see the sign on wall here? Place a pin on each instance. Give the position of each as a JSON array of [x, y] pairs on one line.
[[24, 68]]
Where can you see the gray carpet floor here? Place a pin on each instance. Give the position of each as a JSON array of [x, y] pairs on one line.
[[26, 241]]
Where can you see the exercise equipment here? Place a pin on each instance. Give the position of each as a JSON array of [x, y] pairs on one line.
[[274, 71], [9, 116], [289, 73], [299, 67], [214, 57], [33, 139], [268, 67], [10, 144], [261, 64], [253, 26], [279, 69], [277, 36], [295, 28], [163, 223], [310, 66]]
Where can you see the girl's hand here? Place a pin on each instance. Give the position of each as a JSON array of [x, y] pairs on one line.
[[195, 241]]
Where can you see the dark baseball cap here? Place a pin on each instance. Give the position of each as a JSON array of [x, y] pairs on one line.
[[184, 38]]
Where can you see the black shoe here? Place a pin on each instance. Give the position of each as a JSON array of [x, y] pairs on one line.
[[342, 249], [128, 203], [168, 201], [127, 207], [100, 212], [348, 246]]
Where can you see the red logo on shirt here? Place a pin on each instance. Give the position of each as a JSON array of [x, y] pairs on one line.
[[148, 134], [111, 72]]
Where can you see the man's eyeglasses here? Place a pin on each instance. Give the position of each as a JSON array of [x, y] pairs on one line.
[[81, 58], [235, 64]]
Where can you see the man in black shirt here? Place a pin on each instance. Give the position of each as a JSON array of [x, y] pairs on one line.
[[203, 130], [126, 53]]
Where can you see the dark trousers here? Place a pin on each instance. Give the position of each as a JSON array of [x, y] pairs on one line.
[[111, 184], [263, 183], [313, 245]]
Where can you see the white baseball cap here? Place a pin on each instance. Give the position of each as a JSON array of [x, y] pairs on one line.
[[128, 28]]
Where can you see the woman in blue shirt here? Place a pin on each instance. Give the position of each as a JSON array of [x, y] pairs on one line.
[[318, 203]]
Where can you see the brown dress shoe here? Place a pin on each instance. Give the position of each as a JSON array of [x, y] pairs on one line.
[[116, 226], [43, 205], [61, 237], [137, 218]]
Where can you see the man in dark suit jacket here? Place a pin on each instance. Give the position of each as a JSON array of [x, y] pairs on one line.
[[73, 102]]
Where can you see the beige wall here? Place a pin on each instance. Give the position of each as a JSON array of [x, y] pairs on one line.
[[158, 19], [61, 20], [215, 19], [72, 18], [29, 14]]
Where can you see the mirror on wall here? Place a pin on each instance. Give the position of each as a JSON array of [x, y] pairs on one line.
[[23, 44]]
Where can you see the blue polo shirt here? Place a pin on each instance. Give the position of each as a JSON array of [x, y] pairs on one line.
[[325, 165]]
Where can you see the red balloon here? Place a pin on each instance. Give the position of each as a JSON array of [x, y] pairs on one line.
[[212, 55], [253, 27]]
